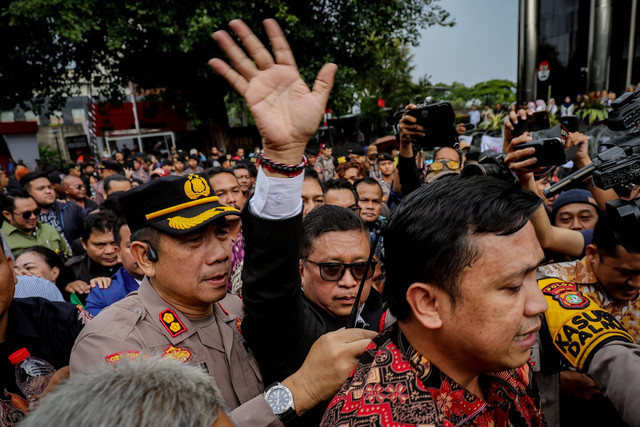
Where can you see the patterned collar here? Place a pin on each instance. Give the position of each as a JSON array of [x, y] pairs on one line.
[[395, 385]]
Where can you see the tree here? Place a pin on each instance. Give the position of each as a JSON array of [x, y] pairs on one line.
[[52, 46]]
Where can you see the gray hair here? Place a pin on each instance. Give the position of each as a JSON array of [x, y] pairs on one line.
[[153, 392]]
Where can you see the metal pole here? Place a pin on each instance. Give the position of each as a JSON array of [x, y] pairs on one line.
[[632, 37], [135, 114]]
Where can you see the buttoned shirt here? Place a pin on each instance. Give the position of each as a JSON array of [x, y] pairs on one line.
[[43, 235], [143, 323]]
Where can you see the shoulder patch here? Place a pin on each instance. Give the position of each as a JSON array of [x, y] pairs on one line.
[[177, 353], [172, 322], [122, 355], [567, 294]]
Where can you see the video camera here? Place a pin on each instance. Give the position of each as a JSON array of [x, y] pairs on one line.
[[616, 166], [438, 120], [625, 111], [624, 218]]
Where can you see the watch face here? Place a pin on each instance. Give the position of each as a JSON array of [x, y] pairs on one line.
[[278, 400]]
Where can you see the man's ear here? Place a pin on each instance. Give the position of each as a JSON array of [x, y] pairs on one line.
[[426, 302], [139, 252], [592, 253], [6, 215], [116, 249], [10, 262], [84, 244], [302, 273]]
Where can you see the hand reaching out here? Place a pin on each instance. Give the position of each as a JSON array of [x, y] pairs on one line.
[[286, 112]]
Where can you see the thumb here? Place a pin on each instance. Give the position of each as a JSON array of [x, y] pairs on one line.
[[324, 82]]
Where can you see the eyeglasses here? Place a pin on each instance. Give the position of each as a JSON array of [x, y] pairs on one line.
[[77, 187], [27, 214], [439, 164], [333, 271]]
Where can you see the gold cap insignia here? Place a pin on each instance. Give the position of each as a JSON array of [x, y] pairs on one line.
[[196, 186]]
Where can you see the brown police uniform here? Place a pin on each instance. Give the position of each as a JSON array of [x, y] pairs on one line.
[[143, 323]]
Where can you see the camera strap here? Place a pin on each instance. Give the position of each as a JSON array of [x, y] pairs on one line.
[[353, 316]]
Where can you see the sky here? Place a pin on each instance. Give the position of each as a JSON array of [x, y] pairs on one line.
[[483, 45]]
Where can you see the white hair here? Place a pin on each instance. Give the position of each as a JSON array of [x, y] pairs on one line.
[[153, 392]]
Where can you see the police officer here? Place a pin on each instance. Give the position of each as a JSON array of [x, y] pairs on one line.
[[181, 242]]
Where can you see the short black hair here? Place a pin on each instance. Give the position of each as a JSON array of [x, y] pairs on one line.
[[8, 200], [369, 181], [25, 181], [216, 170], [326, 218], [122, 221], [340, 184], [605, 240], [311, 174], [427, 238], [102, 221], [115, 177]]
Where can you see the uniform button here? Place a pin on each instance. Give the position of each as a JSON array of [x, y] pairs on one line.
[[138, 311]]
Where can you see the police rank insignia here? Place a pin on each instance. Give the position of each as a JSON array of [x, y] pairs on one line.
[[172, 322], [567, 295], [177, 353], [196, 186]]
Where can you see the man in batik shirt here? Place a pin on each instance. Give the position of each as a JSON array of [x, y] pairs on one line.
[[461, 264]]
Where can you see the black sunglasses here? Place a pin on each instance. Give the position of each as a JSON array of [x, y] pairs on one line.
[[27, 214], [333, 271]]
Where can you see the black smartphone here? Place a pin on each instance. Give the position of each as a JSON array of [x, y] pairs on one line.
[[570, 123], [549, 152], [537, 121], [469, 126]]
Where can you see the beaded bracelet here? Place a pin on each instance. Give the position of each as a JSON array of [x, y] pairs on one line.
[[281, 168]]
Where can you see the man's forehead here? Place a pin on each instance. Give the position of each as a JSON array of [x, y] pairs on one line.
[[357, 240], [39, 182]]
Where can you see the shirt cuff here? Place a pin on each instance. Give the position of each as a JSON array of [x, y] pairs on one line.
[[277, 198]]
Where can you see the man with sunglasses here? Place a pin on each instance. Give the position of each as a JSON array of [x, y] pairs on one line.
[[22, 228], [76, 192]]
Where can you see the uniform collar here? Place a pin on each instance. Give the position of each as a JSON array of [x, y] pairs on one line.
[[178, 330]]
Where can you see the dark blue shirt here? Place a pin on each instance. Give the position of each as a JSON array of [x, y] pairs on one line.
[[121, 285]]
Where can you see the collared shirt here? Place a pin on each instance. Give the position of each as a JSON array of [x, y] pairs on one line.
[[43, 235], [85, 269], [48, 330], [122, 284], [393, 384], [143, 323], [580, 273]]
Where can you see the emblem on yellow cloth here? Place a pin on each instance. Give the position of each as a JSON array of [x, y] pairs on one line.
[[196, 186], [177, 353], [183, 223]]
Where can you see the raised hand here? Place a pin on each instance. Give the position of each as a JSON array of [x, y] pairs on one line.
[[286, 112]]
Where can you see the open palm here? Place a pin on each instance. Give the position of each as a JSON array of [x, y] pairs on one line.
[[286, 111]]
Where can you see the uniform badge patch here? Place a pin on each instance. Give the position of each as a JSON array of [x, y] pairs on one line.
[[177, 353], [172, 323], [239, 324], [122, 355], [567, 295], [196, 186]]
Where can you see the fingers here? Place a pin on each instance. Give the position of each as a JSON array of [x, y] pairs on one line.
[[279, 43], [352, 334], [254, 46], [236, 81], [324, 82], [240, 61]]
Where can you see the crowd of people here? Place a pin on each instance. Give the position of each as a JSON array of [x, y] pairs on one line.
[[295, 287]]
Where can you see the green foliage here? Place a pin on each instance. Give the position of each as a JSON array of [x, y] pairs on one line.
[[49, 156], [53, 46], [591, 109], [490, 92], [493, 122]]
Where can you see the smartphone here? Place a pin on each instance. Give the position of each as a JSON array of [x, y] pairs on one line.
[[537, 121], [570, 123], [549, 152], [469, 126]]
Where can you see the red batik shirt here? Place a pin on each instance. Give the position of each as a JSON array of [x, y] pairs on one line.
[[394, 385]]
